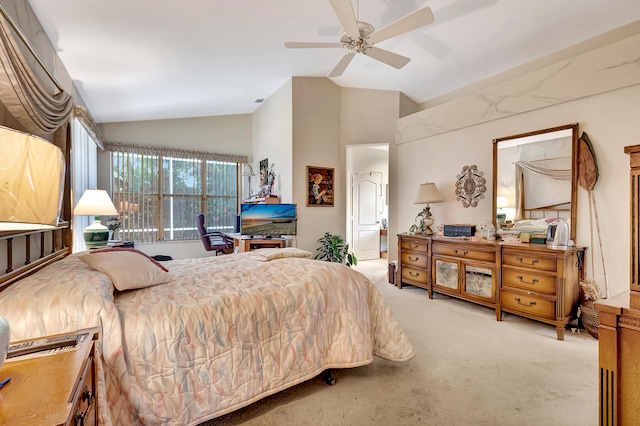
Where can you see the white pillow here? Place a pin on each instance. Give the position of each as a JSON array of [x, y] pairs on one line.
[[127, 268]]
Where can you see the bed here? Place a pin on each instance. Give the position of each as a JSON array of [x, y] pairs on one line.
[[216, 335]]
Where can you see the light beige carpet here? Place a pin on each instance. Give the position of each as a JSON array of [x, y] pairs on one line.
[[469, 369]]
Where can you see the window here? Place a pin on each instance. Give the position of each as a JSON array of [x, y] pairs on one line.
[[158, 191]]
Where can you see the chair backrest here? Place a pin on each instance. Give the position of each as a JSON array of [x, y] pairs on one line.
[[202, 231], [212, 241]]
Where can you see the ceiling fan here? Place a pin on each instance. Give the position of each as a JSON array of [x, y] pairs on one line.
[[360, 37]]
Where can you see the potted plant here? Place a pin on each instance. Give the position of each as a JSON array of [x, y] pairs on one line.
[[334, 249]]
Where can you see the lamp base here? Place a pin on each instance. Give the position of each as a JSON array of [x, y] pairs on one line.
[[96, 235]]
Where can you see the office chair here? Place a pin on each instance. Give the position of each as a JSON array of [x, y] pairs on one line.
[[213, 241]]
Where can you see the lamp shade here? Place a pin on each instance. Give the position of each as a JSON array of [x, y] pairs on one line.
[[31, 182], [428, 193], [247, 170], [95, 202], [502, 202]]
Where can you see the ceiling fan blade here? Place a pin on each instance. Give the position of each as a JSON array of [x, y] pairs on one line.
[[389, 58], [304, 45], [346, 16], [342, 65], [410, 22]]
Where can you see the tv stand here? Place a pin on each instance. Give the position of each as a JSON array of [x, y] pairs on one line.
[[248, 243]]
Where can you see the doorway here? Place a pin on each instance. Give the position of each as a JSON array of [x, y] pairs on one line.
[[368, 170]]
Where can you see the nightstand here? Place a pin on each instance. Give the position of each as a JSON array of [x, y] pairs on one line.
[[55, 387]]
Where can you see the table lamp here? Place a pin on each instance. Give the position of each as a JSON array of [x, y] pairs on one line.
[[247, 171], [501, 215], [427, 193], [95, 202]]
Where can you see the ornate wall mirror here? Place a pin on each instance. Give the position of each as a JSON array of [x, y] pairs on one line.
[[535, 176]]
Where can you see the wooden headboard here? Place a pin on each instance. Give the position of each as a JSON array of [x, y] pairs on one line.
[[26, 252]]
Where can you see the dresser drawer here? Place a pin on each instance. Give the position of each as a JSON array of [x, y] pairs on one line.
[[415, 245], [528, 304], [418, 260], [529, 261], [465, 253], [414, 274], [529, 280]]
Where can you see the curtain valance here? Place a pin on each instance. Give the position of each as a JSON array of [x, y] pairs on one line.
[[85, 118], [38, 110], [174, 152]]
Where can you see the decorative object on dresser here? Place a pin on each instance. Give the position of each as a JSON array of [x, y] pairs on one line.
[[32, 181], [247, 171], [470, 186], [427, 193], [95, 202], [619, 329]]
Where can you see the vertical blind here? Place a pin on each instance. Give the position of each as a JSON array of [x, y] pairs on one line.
[[159, 191], [83, 175]]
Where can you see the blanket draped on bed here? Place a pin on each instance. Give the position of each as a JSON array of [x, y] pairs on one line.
[[224, 333]]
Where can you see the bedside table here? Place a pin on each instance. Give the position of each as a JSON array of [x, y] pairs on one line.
[[56, 387]]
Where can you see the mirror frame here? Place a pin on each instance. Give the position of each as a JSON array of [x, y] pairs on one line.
[[574, 170]]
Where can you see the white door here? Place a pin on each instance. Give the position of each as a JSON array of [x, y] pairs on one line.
[[367, 201]]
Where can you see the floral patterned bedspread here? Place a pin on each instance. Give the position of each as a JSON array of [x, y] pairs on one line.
[[228, 331]]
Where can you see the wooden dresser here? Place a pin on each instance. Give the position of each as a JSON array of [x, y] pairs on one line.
[[619, 330], [529, 280]]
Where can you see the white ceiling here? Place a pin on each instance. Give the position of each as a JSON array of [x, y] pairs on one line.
[[156, 59]]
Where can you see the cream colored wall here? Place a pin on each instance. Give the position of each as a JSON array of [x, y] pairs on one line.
[[316, 142], [609, 121], [273, 138]]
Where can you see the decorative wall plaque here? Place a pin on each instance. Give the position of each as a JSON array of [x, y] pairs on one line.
[[470, 186]]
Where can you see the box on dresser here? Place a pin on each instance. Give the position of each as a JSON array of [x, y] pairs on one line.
[[459, 230]]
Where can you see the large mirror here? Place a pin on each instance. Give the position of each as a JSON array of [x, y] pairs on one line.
[[535, 176]]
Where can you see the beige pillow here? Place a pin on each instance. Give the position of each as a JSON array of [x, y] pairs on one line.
[[127, 268], [266, 254]]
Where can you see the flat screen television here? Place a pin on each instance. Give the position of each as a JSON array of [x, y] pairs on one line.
[[268, 220]]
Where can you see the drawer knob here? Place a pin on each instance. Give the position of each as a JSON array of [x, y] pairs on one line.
[[521, 260], [417, 274], [414, 246], [464, 253], [533, 281], [413, 259], [531, 302]]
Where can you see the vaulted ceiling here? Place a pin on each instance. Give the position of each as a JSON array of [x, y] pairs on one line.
[[157, 59]]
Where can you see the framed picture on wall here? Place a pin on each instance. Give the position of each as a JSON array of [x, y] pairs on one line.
[[320, 184]]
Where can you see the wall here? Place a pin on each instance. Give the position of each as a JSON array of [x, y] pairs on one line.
[[273, 139], [224, 134], [608, 118], [316, 142]]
